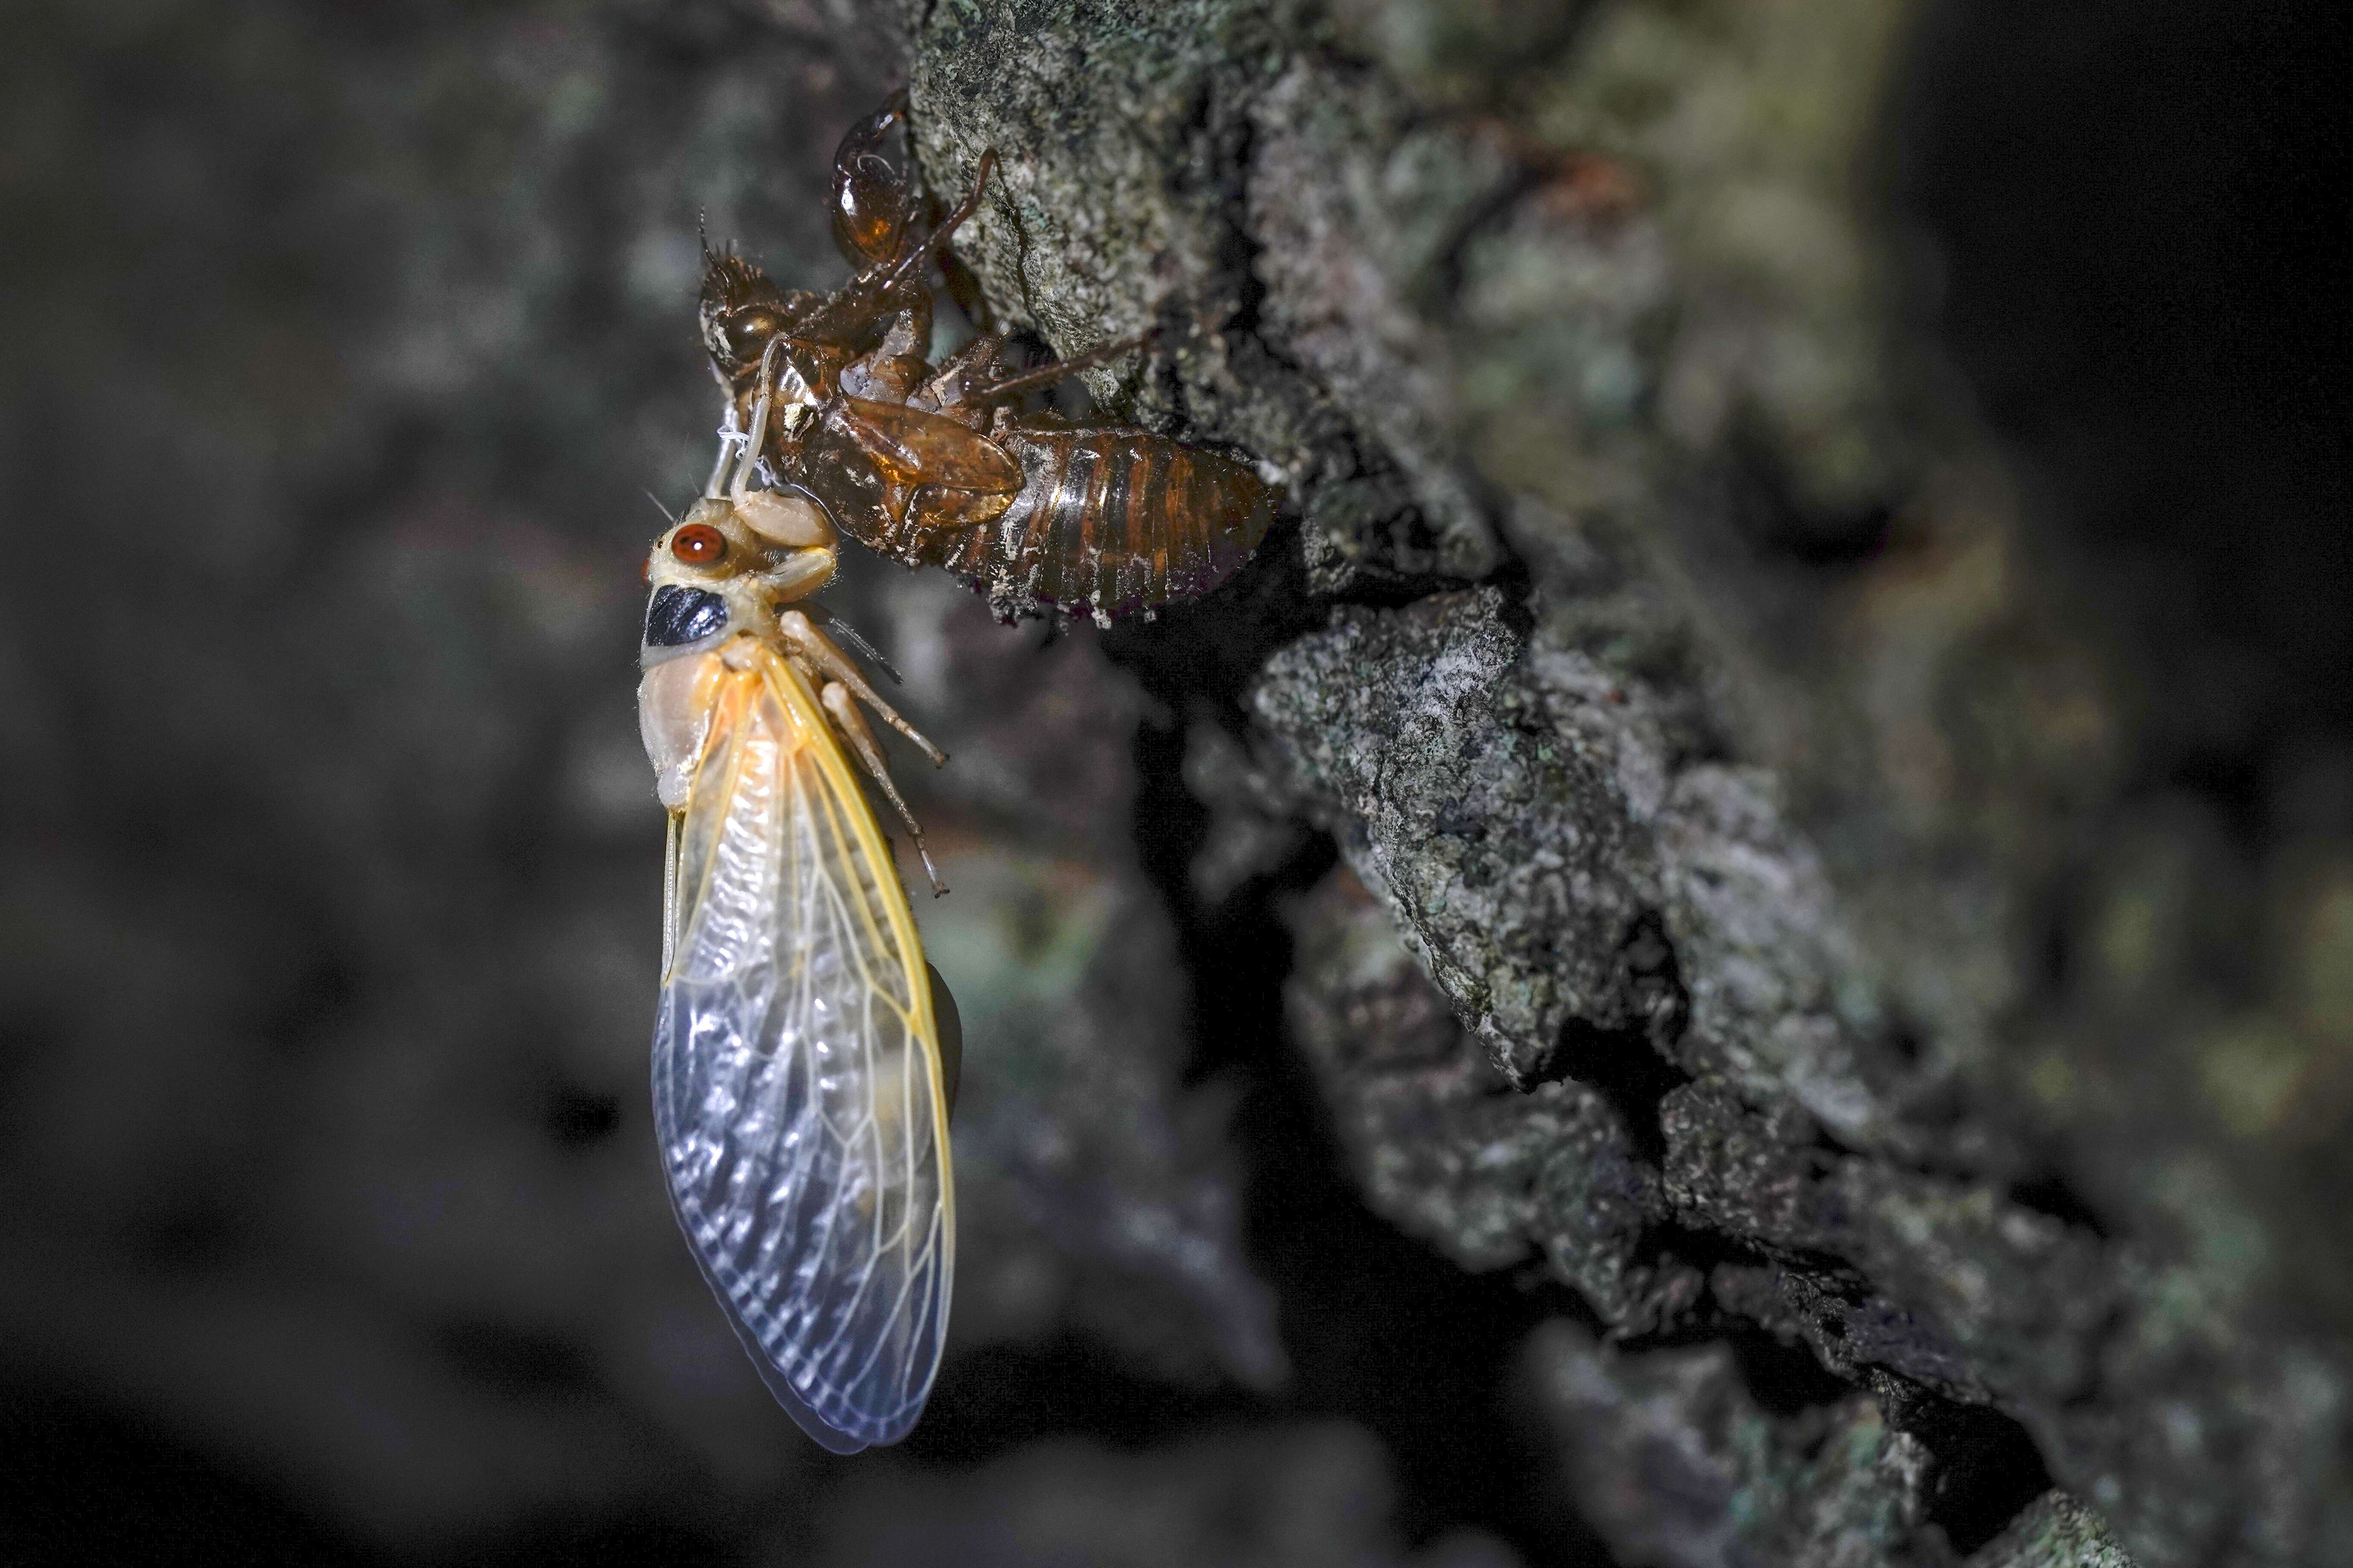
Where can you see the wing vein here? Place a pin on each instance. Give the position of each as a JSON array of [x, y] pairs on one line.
[[797, 1088]]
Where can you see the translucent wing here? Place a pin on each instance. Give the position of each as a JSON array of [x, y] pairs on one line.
[[796, 1073], [925, 448]]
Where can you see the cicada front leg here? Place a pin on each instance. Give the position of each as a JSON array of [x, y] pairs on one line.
[[1047, 375], [802, 573], [843, 711], [951, 386], [874, 208], [818, 653], [873, 220], [895, 367], [871, 204], [839, 682], [909, 267]]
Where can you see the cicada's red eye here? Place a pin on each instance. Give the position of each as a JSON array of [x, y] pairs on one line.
[[698, 545]]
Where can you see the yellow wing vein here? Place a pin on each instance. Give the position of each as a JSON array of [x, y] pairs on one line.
[[838, 810], [833, 817]]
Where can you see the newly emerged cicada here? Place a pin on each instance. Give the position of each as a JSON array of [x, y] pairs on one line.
[[804, 1055], [935, 464]]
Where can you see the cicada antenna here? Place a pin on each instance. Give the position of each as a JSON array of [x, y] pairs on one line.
[[849, 635], [666, 516]]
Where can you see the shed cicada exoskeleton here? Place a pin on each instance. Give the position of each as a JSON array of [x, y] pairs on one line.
[[935, 464], [804, 1055]]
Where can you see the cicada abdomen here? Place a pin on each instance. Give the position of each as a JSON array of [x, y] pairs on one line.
[[1108, 520], [1100, 520]]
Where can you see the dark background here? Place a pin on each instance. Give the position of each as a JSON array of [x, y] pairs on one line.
[[342, 344]]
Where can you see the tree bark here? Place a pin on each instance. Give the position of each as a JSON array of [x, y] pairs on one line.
[[1666, 643]]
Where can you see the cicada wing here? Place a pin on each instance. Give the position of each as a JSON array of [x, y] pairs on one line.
[[924, 448], [797, 1092]]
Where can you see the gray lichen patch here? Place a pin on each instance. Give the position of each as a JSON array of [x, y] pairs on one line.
[[1670, 1456], [1521, 811], [2056, 1531], [1447, 1149], [1497, 850], [1677, 1463]]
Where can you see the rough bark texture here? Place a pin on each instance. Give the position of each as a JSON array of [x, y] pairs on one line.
[[1737, 816]]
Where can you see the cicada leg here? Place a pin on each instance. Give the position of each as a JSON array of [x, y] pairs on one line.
[[840, 682], [913, 262], [843, 711], [817, 650], [1013, 386], [870, 205], [670, 894], [803, 572]]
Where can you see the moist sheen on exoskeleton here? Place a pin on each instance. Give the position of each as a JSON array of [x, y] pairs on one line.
[[804, 1055], [935, 465]]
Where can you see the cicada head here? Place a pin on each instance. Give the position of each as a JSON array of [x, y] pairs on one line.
[[717, 577], [742, 309], [726, 565], [696, 573]]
